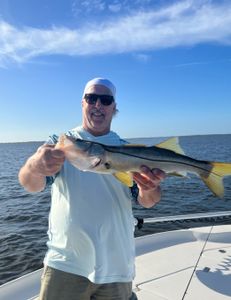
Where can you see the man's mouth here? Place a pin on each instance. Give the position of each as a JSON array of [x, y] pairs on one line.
[[97, 115]]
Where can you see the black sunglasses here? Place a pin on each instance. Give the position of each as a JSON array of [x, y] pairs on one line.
[[104, 99]]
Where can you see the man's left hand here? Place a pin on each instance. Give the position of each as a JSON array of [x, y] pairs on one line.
[[148, 182]]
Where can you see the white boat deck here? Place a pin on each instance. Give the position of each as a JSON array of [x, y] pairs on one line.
[[186, 264]]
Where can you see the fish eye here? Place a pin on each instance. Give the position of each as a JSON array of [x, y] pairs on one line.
[[107, 165]]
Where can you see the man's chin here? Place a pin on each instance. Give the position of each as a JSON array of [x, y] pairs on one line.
[[98, 129], [98, 119]]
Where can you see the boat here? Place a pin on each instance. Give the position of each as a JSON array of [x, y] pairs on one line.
[[183, 264]]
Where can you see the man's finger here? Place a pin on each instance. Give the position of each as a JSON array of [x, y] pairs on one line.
[[159, 173], [57, 153]]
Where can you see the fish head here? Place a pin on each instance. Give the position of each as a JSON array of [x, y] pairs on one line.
[[85, 155]]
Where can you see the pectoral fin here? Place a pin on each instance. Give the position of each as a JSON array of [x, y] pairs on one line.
[[179, 174], [125, 178]]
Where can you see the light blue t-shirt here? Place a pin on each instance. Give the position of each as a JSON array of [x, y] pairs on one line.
[[91, 225]]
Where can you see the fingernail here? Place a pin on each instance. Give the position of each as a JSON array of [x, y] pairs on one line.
[[143, 169]]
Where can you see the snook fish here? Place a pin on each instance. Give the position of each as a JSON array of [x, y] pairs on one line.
[[120, 161]]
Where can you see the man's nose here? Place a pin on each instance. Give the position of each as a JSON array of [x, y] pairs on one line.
[[98, 103]]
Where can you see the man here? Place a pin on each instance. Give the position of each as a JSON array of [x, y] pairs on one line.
[[91, 245]]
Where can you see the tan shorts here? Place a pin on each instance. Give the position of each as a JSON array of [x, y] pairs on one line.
[[59, 285]]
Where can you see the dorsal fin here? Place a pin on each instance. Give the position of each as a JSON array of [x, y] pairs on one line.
[[171, 144]]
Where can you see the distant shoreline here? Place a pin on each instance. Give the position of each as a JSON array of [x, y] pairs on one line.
[[136, 138], [29, 142]]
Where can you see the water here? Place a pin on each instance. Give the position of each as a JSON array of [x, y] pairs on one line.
[[23, 217]]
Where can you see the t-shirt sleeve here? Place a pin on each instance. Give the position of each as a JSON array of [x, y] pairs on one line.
[[52, 140]]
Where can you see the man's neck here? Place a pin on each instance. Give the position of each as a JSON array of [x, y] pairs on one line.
[[96, 133]]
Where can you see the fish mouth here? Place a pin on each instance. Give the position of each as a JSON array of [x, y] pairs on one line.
[[96, 163]]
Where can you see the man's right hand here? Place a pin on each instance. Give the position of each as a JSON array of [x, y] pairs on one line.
[[47, 160]]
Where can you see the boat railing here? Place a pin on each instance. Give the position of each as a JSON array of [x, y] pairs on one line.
[[205, 216]]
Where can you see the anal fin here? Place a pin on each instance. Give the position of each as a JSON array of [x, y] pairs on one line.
[[124, 177]]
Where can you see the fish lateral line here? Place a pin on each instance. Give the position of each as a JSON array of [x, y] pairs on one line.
[[166, 161]]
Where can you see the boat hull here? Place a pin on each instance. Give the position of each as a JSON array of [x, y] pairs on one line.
[[184, 264]]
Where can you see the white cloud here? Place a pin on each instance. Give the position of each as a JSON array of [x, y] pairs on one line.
[[196, 63], [87, 6], [115, 7], [142, 57], [80, 7], [180, 24]]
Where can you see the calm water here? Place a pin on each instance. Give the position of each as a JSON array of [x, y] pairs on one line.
[[23, 218]]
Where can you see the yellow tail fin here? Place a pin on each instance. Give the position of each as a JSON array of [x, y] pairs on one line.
[[215, 179]]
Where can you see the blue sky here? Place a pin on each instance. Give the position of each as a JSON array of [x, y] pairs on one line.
[[170, 61]]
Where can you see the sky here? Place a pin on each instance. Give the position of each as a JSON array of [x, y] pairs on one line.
[[169, 60]]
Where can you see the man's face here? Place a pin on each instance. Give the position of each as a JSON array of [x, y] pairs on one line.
[[97, 117]]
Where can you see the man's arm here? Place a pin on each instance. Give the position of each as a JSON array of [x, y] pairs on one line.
[[148, 182], [46, 161]]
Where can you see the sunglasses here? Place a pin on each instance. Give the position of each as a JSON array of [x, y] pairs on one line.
[[104, 99]]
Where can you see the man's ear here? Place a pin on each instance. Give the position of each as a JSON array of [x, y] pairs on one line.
[[115, 110]]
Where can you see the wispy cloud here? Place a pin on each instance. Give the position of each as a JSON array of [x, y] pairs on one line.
[[198, 63], [80, 7], [87, 6], [183, 23], [142, 57]]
